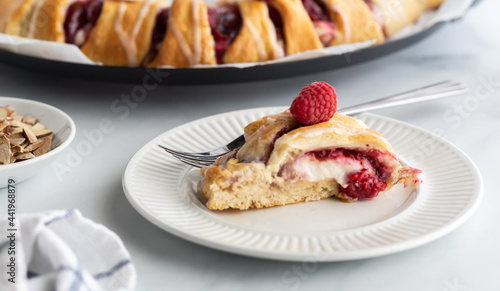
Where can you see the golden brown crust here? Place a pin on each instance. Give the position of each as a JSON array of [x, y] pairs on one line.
[[431, 4], [189, 40], [341, 131], [396, 14], [298, 28], [256, 41], [21, 17], [122, 34], [261, 134], [256, 188], [8, 11], [354, 22], [49, 20]]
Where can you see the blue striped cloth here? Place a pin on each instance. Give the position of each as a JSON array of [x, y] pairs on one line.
[[61, 250]]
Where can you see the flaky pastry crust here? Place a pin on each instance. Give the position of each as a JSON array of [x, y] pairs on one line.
[[189, 41], [122, 34], [253, 177]]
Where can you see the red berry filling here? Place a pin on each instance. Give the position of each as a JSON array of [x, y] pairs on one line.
[[363, 184], [316, 10], [277, 21], [158, 34], [366, 183], [225, 23], [81, 17], [320, 17]]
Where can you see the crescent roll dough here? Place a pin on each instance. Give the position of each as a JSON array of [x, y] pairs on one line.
[[354, 22], [298, 28], [18, 17], [122, 34], [396, 14], [188, 41], [10, 10], [431, 4], [257, 40]]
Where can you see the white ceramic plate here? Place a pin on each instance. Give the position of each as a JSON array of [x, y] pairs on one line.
[[165, 192]]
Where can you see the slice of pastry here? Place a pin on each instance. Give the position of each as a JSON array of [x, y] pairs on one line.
[[188, 41], [122, 35], [284, 161], [244, 33]]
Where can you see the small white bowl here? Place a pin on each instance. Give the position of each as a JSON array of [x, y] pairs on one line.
[[54, 119]]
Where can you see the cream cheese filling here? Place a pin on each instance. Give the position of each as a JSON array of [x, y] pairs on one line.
[[311, 169]]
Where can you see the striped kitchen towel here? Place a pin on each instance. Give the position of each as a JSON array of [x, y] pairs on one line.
[[61, 250]]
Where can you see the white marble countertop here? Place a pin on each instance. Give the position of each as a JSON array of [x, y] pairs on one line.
[[466, 259]]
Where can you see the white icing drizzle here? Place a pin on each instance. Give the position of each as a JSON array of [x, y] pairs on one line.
[[128, 41], [79, 37], [33, 23], [345, 21], [191, 55], [196, 33], [258, 40]]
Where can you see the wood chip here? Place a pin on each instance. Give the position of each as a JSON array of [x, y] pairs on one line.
[[24, 156], [22, 137], [4, 112], [4, 123], [10, 129], [29, 135], [44, 148], [16, 141], [17, 149], [42, 133], [11, 110], [34, 146], [4, 150], [37, 126], [28, 119], [17, 134]]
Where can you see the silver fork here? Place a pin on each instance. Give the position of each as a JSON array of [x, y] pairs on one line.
[[431, 92]]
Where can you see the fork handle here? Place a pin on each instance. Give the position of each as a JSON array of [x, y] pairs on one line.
[[431, 92]]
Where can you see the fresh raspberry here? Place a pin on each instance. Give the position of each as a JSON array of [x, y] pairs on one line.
[[316, 103]]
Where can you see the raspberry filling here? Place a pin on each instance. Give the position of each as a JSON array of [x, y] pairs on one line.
[[320, 17], [361, 174], [225, 23], [81, 17], [158, 34], [277, 21]]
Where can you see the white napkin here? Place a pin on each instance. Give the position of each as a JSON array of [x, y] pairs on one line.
[[61, 250]]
